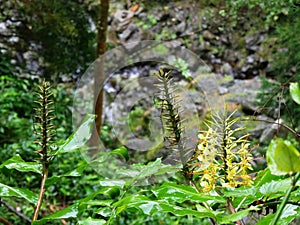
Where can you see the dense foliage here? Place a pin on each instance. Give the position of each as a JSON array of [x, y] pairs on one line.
[[44, 37]]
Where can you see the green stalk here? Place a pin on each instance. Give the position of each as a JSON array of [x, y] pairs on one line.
[[211, 220], [285, 200], [42, 192]]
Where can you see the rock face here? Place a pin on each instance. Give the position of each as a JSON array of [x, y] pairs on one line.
[[244, 92], [231, 46], [236, 54], [133, 87]]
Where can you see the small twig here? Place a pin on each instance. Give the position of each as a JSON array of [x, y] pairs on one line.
[[279, 108], [280, 89], [232, 210], [278, 202], [4, 221], [277, 123], [12, 209]]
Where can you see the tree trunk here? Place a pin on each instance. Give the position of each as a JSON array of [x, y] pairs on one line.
[[99, 75]]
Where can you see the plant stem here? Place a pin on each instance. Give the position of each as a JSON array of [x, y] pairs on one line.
[[12, 209], [4, 221], [42, 192], [285, 200], [232, 210], [211, 220]]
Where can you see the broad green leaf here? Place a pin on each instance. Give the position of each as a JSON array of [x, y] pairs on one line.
[[153, 168], [270, 157], [111, 183], [137, 174], [180, 193], [140, 172], [275, 187], [228, 219], [288, 215], [73, 173], [150, 207], [290, 211], [19, 164], [79, 138], [266, 220], [69, 212], [242, 196], [265, 176], [127, 202], [104, 211], [283, 157], [99, 202], [180, 211], [122, 151], [240, 192], [91, 221], [7, 191], [110, 192], [295, 92]]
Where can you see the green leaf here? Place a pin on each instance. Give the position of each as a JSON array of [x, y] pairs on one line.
[[137, 174], [79, 138], [275, 187], [127, 202], [99, 202], [140, 172], [290, 211], [288, 215], [7, 191], [19, 164], [243, 196], [73, 173], [91, 221], [228, 219], [180, 193], [201, 212], [122, 151], [69, 212], [295, 92], [149, 207], [282, 157], [243, 191], [265, 176], [266, 219], [110, 192], [105, 211], [111, 183]]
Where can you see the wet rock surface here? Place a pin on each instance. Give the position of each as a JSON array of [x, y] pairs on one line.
[[134, 86], [235, 54], [231, 47]]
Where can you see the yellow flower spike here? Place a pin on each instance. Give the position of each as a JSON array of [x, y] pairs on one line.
[[222, 157]]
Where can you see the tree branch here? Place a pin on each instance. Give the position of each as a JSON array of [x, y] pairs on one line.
[[12, 209], [5, 222], [277, 123]]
